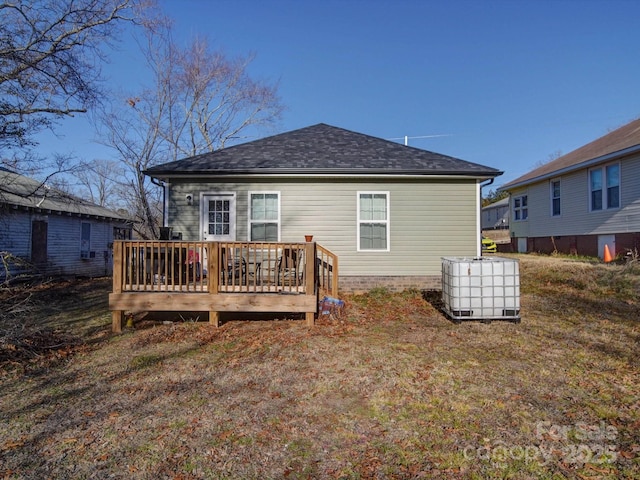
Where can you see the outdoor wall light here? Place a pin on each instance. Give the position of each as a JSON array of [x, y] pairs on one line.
[[189, 198]]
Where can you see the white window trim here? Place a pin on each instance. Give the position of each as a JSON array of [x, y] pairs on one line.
[[204, 221], [387, 221], [552, 198], [605, 200], [264, 192], [513, 208]]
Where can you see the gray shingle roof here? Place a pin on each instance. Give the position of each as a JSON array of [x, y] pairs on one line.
[[21, 191], [615, 143], [321, 149]]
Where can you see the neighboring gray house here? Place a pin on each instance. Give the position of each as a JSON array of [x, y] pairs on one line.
[[495, 216], [389, 211], [581, 201], [53, 233]]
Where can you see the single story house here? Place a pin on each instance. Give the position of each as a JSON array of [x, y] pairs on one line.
[[389, 211], [46, 231], [581, 201], [495, 216]]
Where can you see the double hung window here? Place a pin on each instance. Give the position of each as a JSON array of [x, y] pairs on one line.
[[373, 221], [555, 198], [520, 208], [604, 187], [264, 218]]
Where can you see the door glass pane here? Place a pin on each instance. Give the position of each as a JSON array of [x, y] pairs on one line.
[[219, 217]]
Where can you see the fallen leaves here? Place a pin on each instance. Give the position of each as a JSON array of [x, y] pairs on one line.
[[390, 389]]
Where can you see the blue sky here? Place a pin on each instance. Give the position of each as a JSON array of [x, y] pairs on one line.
[[508, 82]]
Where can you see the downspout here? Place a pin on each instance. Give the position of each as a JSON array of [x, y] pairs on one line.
[[479, 234], [162, 185]]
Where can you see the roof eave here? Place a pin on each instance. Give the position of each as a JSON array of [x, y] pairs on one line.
[[578, 166], [323, 173]]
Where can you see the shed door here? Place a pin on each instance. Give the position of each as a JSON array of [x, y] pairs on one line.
[[522, 244], [39, 242], [218, 217], [610, 242]]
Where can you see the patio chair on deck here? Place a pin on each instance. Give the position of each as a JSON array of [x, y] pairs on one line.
[[291, 267], [233, 269]]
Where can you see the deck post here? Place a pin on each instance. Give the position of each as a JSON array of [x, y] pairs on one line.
[[116, 321], [118, 266], [310, 280], [334, 278], [214, 270]]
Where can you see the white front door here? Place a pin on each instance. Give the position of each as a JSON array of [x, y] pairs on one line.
[[218, 217]]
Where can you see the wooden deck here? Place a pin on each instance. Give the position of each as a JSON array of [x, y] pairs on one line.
[[220, 277]]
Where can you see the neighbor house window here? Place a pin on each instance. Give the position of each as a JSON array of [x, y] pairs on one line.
[[373, 221], [120, 233], [85, 240], [264, 218], [612, 174], [555, 198], [604, 187], [520, 208]]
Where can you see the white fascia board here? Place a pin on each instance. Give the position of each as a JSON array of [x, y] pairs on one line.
[[328, 175]]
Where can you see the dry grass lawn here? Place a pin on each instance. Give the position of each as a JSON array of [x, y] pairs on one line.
[[391, 389]]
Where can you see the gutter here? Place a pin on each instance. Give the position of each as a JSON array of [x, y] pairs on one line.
[[479, 215], [161, 184], [579, 166], [385, 175]]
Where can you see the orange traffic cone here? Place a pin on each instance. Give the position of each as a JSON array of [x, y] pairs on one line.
[[607, 254]]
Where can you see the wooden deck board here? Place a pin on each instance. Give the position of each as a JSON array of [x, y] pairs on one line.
[[223, 302]]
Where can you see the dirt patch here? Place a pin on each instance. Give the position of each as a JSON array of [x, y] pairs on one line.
[[391, 389]]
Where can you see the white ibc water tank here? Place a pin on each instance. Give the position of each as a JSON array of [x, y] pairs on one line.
[[481, 288]]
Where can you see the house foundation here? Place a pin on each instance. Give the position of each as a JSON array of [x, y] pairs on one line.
[[395, 283], [585, 245]]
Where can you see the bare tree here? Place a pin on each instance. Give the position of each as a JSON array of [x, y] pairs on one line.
[[50, 55], [199, 100], [216, 101], [99, 182]]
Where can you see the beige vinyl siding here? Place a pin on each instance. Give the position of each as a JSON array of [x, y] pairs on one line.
[[627, 218], [427, 219], [520, 228], [576, 218]]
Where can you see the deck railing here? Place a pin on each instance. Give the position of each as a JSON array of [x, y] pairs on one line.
[[176, 266], [142, 269], [327, 271]]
